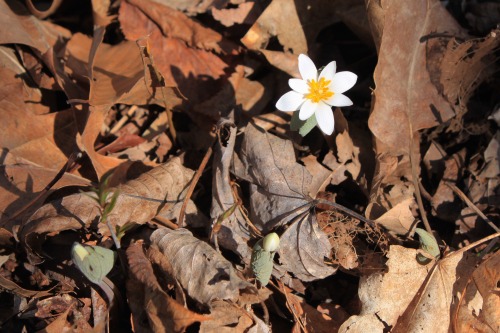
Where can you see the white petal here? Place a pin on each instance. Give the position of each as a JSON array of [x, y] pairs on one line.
[[307, 109], [299, 85], [290, 101], [329, 71], [338, 100], [324, 116], [343, 81], [307, 68]]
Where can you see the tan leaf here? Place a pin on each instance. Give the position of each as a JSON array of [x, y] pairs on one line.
[[399, 219], [421, 294]]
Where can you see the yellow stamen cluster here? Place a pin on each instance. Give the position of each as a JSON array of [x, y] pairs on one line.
[[318, 90]]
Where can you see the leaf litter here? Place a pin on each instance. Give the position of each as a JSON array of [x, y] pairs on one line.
[[173, 103]]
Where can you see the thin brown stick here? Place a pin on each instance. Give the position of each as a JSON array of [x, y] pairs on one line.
[[190, 190], [165, 222], [472, 206]]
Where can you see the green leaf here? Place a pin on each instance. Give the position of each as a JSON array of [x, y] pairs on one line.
[[95, 262], [427, 243], [309, 124], [303, 126], [262, 263]]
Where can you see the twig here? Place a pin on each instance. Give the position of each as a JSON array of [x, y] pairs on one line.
[[472, 206], [190, 190], [119, 124]]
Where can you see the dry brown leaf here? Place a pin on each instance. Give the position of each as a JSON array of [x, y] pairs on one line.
[[406, 100], [19, 27], [444, 201], [278, 183], [147, 298], [181, 47], [229, 318], [399, 219], [233, 233], [28, 128], [194, 7], [165, 182], [245, 13], [303, 249], [480, 305], [405, 289], [202, 272], [22, 181], [295, 23], [465, 66]]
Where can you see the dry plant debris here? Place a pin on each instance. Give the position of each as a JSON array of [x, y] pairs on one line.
[[172, 110]]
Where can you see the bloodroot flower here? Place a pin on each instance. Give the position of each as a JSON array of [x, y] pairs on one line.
[[316, 94]]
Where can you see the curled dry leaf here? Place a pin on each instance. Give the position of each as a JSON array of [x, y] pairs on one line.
[[147, 298], [165, 182], [202, 272]]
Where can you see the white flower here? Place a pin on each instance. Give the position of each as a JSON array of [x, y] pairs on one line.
[[316, 94]]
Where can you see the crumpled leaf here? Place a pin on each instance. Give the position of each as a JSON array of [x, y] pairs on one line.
[[148, 298], [304, 247], [202, 272], [428, 310], [165, 182]]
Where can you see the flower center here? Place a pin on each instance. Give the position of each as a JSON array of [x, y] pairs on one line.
[[318, 90]]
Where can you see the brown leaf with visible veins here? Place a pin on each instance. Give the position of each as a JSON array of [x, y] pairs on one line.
[[202, 272], [165, 182], [147, 298]]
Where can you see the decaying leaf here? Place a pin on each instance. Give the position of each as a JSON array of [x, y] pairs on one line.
[[147, 298], [399, 219], [165, 182], [201, 271]]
